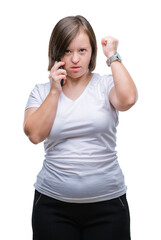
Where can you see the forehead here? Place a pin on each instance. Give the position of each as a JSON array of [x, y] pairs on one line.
[[81, 39]]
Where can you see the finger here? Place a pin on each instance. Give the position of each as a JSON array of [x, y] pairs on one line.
[[60, 64], [61, 71], [103, 41], [57, 65], [62, 77], [57, 78]]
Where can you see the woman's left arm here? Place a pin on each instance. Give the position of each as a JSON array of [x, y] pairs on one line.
[[124, 93]]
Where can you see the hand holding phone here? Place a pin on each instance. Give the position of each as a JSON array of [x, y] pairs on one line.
[[57, 77]]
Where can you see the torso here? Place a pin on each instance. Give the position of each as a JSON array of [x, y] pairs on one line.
[[80, 162]]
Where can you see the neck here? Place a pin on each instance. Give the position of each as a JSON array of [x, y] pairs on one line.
[[80, 81]]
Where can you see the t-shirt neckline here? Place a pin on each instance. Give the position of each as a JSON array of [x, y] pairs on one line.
[[73, 101]]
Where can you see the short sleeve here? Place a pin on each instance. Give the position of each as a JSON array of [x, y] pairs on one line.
[[110, 83], [35, 99], [107, 83]]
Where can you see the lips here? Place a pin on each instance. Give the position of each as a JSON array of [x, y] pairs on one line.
[[75, 68]]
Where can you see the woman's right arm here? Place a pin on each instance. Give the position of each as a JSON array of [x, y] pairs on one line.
[[38, 121]]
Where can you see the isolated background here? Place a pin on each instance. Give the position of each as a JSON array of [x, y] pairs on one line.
[[25, 28]]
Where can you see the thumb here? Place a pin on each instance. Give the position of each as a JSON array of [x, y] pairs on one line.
[[104, 41]]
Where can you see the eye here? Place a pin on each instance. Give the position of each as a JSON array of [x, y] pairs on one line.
[[67, 51], [82, 50]]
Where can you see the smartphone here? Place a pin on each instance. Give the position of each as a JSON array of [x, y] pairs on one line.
[[62, 80]]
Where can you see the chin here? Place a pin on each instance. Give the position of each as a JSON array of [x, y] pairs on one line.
[[77, 74]]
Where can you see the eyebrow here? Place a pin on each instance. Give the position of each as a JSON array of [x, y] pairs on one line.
[[82, 47]]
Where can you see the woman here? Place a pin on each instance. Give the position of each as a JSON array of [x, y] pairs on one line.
[[80, 191]]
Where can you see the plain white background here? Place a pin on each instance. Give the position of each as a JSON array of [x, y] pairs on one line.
[[25, 28]]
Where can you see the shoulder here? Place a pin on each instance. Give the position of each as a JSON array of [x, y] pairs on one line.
[[41, 90], [106, 78], [42, 87], [103, 81], [38, 95]]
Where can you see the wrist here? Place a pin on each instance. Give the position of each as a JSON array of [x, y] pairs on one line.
[[55, 92], [114, 57], [110, 54]]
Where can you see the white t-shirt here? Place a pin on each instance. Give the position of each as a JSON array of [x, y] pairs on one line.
[[80, 162]]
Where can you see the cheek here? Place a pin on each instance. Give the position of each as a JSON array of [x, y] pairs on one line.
[[89, 58], [88, 62]]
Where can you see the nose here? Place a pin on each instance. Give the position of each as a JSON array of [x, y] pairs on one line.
[[75, 57]]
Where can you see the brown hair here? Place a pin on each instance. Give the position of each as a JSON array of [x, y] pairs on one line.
[[64, 32]]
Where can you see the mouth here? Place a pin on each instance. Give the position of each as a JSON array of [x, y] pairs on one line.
[[75, 68]]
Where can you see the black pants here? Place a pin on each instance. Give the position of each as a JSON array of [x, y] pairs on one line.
[[57, 220]]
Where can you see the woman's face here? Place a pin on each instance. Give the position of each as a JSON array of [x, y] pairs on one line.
[[77, 56]]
